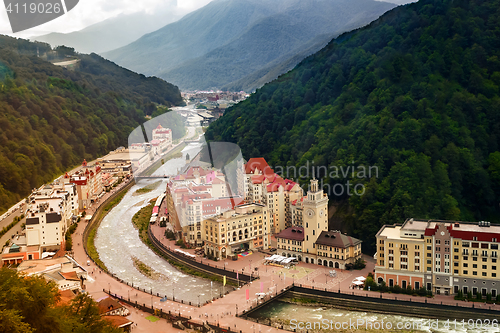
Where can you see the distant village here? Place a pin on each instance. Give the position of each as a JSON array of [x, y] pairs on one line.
[[209, 105]]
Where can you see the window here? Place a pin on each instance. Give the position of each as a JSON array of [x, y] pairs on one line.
[[466, 264], [474, 273], [485, 267], [465, 272]]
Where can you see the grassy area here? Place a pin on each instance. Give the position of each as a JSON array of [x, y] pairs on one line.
[[148, 271], [141, 221], [147, 188], [91, 250]]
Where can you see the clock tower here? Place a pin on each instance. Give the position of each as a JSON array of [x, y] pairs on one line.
[[315, 216]]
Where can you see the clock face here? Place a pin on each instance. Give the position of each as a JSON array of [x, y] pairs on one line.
[[442, 233], [310, 212]]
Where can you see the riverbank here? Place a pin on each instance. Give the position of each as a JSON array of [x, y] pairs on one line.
[[90, 231]]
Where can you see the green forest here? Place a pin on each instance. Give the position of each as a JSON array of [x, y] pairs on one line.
[[30, 304], [415, 93], [51, 118]]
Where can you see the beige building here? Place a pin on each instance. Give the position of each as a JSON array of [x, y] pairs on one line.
[[264, 186], [442, 256], [51, 210], [64, 271], [234, 231], [309, 240]]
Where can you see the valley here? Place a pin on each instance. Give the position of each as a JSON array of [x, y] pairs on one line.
[[255, 166]]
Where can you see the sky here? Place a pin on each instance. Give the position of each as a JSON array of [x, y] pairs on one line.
[[88, 12]]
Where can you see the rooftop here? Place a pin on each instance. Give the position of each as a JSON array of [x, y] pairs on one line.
[[292, 233], [336, 239]]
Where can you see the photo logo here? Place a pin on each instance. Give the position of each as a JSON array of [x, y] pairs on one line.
[[26, 14]]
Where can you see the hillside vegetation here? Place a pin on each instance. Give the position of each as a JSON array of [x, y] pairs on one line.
[[415, 93], [52, 118]]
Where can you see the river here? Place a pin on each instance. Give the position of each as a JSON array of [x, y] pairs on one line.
[[298, 316], [117, 241]]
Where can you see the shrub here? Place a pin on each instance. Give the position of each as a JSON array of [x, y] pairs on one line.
[[359, 264]]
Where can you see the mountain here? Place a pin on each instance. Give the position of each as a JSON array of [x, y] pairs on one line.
[[115, 32], [51, 118], [414, 95], [228, 40]]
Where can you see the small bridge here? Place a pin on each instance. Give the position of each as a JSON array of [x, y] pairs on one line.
[[139, 177]]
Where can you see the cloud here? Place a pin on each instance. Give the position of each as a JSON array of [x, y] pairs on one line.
[[89, 12]]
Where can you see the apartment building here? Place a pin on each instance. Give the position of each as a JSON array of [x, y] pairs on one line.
[[51, 210], [263, 185], [234, 231], [442, 256], [88, 182]]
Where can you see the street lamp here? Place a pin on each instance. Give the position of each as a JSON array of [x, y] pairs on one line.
[[198, 300]]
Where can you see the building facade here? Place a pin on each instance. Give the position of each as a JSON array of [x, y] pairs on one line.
[[234, 231], [442, 256], [309, 240]]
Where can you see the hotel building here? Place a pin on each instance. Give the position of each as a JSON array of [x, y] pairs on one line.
[[442, 256], [234, 231]]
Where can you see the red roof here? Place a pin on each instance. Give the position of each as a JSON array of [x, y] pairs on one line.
[[258, 163], [455, 232], [118, 321], [274, 187], [70, 276]]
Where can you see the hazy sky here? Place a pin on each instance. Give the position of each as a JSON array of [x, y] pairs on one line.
[[88, 12]]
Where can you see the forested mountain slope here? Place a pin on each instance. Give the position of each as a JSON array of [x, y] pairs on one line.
[[52, 118], [227, 40], [415, 93]]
